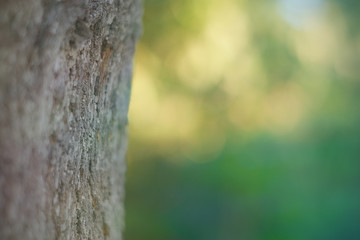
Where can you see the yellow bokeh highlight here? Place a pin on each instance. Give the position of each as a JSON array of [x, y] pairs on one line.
[[204, 60]]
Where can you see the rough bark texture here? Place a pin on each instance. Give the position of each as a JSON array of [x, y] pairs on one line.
[[65, 75]]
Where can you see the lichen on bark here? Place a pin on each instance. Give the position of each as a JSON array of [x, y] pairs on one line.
[[65, 78]]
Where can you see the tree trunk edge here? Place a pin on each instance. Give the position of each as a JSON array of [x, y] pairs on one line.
[[65, 79]]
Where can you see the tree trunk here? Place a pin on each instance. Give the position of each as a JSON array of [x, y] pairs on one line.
[[65, 76]]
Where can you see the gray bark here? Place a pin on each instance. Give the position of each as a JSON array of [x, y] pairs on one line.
[[65, 76]]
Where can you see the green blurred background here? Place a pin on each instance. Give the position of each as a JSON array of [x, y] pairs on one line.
[[245, 121]]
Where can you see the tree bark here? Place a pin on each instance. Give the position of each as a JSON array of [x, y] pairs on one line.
[[65, 76]]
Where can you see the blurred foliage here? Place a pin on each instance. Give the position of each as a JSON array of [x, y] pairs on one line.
[[244, 124]]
